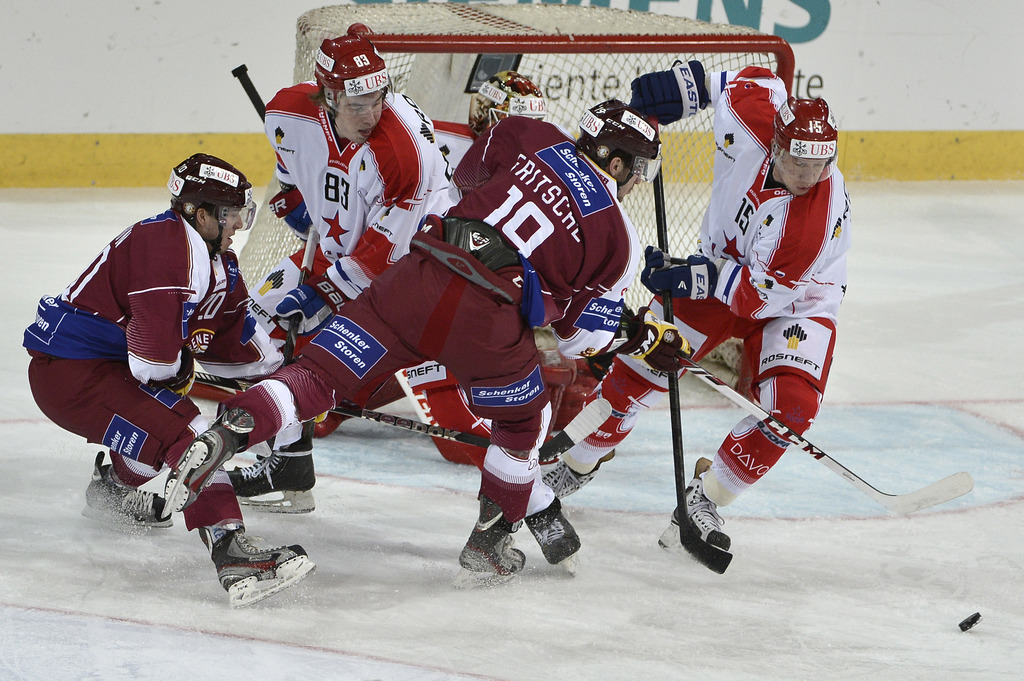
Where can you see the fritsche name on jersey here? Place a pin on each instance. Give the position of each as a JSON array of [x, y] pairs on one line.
[[555, 208], [151, 292]]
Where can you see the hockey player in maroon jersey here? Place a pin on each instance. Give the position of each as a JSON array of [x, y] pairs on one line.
[[538, 238], [113, 360], [771, 270], [359, 164]]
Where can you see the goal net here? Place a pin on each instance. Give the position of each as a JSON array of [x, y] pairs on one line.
[[438, 53]]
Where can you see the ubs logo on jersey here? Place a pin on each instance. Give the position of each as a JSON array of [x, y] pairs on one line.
[[794, 335]]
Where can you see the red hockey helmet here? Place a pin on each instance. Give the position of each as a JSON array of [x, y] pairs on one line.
[[202, 180], [506, 93], [806, 129], [350, 65], [613, 126]]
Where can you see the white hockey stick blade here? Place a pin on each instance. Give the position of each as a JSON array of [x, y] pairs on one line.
[[582, 425], [936, 493]]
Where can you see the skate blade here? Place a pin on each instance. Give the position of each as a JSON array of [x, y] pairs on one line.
[[252, 590], [118, 521], [570, 564], [470, 579], [177, 494], [712, 558], [280, 502]]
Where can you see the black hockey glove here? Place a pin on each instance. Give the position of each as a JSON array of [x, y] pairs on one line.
[[655, 341]]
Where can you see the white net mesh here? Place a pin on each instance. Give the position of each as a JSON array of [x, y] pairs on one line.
[[579, 56]]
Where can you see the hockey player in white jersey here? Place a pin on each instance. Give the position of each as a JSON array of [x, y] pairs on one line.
[[359, 164], [771, 270]]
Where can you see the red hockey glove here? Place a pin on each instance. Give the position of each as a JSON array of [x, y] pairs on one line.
[[289, 206], [655, 341]]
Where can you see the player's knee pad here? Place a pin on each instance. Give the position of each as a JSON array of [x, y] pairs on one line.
[[792, 399]]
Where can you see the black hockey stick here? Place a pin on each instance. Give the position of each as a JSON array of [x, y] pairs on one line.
[[939, 492], [242, 74], [582, 425], [707, 555]]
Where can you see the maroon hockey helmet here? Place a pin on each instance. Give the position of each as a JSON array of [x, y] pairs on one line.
[[202, 179], [614, 126], [350, 64], [506, 93], [806, 129]]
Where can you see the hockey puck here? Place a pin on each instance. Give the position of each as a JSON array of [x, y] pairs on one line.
[[970, 621]]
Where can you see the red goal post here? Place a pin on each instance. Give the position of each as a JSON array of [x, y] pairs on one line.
[[577, 55]]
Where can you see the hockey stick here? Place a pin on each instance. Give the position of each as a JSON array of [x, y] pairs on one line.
[[582, 425], [242, 74], [936, 493], [707, 555]]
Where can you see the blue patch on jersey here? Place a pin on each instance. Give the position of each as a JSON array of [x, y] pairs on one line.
[[248, 328], [231, 268], [124, 437], [512, 395], [62, 330], [186, 312], [166, 397], [600, 315], [532, 304], [586, 188], [351, 345]]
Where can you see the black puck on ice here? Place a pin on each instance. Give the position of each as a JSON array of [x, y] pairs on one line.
[[970, 621]]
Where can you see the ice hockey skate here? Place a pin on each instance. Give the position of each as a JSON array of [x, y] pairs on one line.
[[109, 500], [489, 557], [250, 569], [557, 537], [205, 455], [700, 534], [565, 481], [280, 482]]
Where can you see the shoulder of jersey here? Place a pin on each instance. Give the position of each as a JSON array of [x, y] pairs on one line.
[[294, 100]]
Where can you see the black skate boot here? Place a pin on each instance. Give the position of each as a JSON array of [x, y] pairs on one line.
[[250, 569], [701, 525], [556, 536], [281, 482], [109, 500], [195, 469], [490, 556]]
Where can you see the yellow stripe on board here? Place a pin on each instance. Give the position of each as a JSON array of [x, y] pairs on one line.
[[119, 160], [138, 160]]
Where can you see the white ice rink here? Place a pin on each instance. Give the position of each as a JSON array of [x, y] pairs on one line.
[[928, 380]]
